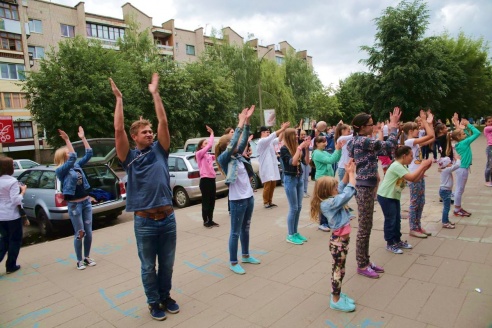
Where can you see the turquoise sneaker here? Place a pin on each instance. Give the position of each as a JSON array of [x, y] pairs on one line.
[[350, 300], [342, 305], [300, 237], [293, 240], [237, 269], [250, 260]]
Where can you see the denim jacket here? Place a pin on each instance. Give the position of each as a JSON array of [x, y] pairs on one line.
[[67, 175], [335, 209], [228, 161]]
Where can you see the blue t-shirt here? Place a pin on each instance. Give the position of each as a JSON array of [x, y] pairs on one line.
[[148, 183]]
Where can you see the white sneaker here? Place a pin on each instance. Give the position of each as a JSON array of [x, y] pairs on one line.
[[80, 265], [306, 195], [323, 227]]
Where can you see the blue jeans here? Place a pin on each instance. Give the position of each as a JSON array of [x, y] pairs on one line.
[[81, 216], [10, 242], [156, 239], [446, 202], [488, 164], [341, 173], [293, 189], [306, 169], [241, 212], [392, 219]]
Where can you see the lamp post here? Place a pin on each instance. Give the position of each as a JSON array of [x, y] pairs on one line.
[[262, 119]]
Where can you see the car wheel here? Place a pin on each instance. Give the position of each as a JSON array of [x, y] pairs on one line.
[[113, 216], [255, 182], [181, 198], [45, 225]]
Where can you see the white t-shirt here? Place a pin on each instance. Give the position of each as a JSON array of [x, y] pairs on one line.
[[267, 158], [241, 189], [417, 155], [345, 154], [385, 130]]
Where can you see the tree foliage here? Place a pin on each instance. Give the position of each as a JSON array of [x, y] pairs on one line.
[[411, 71], [71, 88]]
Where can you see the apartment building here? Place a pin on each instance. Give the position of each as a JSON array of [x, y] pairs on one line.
[[29, 28]]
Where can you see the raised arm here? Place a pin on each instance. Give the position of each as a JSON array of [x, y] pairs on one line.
[[121, 139], [419, 172], [162, 127], [429, 130], [88, 150], [209, 145]]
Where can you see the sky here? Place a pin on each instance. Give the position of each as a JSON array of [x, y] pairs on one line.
[[331, 31]]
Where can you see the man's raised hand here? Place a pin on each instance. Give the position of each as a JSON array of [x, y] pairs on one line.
[[115, 89], [154, 83]]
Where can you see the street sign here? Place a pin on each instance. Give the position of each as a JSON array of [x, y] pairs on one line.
[[6, 129]]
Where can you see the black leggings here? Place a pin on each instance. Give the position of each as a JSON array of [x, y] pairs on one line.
[[207, 187]]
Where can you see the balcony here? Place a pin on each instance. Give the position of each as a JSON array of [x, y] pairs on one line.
[[165, 50], [107, 44]]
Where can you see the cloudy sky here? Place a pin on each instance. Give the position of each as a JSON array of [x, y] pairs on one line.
[[331, 31]]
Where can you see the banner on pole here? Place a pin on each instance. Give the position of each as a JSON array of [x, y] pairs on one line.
[[6, 129], [269, 117]]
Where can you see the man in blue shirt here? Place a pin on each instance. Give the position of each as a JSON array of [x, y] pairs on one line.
[[149, 196]]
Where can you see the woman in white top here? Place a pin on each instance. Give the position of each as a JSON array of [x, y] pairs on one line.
[[10, 219]]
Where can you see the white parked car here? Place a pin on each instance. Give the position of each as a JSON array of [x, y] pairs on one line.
[[20, 165], [185, 179]]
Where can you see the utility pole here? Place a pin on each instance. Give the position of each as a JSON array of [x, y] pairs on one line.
[[262, 118]]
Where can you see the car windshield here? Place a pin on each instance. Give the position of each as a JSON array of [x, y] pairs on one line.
[[193, 162]]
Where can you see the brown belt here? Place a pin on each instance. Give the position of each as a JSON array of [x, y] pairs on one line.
[[156, 214]]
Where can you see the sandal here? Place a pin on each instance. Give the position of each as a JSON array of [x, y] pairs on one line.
[[448, 225]]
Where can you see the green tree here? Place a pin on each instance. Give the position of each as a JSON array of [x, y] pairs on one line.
[[304, 83], [68, 90], [469, 76], [352, 94], [406, 66]]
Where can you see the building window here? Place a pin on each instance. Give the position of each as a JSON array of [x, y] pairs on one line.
[[13, 100], [10, 41], [190, 50], [22, 130], [67, 30], [279, 60], [12, 71], [35, 26], [9, 11], [37, 52], [104, 32]]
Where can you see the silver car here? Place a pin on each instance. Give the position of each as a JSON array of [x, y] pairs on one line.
[[44, 201], [185, 179]]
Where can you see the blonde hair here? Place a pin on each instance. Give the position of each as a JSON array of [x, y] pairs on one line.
[[137, 125], [60, 156], [324, 188], [221, 147]]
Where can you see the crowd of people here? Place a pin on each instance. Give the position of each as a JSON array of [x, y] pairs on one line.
[[343, 163]]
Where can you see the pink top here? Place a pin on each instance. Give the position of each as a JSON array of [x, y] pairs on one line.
[[488, 134], [205, 160], [345, 230]]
